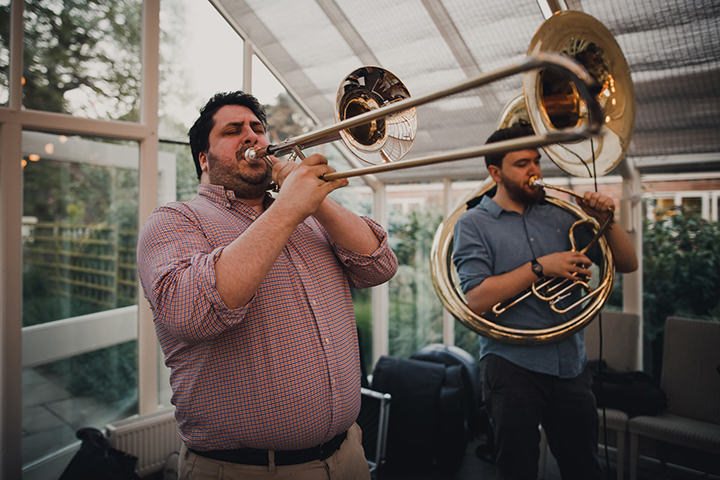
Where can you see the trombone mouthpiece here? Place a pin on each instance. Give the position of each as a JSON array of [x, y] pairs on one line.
[[250, 155], [536, 182]]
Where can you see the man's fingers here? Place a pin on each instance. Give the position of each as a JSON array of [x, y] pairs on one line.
[[337, 183], [315, 159]]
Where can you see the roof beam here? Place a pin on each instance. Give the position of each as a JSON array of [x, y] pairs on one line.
[[549, 7], [678, 163], [459, 48], [348, 31]]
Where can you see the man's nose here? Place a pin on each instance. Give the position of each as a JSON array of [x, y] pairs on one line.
[[249, 136]]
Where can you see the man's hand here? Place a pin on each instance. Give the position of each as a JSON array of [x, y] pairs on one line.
[[567, 264], [597, 205], [301, 187]]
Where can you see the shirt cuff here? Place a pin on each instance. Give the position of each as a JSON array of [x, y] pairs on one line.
[[348, 257]]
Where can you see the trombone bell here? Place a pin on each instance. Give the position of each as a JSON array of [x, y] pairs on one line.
[[383, 140]]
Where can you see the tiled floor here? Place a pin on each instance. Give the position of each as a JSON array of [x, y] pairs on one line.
[[51, 415]]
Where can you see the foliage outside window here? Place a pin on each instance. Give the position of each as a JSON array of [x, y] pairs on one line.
[[681, 275], [83, 58], [415, 317], [80, 231]]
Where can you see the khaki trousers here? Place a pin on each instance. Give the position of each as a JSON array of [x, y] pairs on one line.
[[347, 463]]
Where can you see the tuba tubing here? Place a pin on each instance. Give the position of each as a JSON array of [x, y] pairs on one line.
[[443, 277]]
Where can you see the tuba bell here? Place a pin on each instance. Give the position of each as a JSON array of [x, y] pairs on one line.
[[550, 103]]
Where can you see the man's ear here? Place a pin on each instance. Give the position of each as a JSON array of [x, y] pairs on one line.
[[494, 172], [202, 158]]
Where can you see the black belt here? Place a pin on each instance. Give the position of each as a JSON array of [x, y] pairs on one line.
[[255, 456]]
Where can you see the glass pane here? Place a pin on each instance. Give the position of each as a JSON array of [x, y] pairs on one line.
[[663, 207], [88, 390], [4, 50], [177, 178], [692, 205], [415, 314], [615, 301], [80, 203], [265, 86], [285, 117], [200, 55], [467, 339], [83, 60]]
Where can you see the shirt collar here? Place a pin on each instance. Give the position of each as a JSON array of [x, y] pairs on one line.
[[216, 193], [489, 205], [219, 194]]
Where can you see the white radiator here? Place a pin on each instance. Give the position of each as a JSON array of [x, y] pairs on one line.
[[150, 437]]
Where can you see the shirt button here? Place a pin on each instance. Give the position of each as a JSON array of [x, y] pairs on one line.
[[327, 341], [312, 302]]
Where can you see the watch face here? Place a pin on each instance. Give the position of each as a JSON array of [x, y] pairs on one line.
[[537, 269]]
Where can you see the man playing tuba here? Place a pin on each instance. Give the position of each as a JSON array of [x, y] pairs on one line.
[[501, 247]]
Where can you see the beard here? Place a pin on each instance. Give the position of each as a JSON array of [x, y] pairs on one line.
[[522, 192], [244, 179]]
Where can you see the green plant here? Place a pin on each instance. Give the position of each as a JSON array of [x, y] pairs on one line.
[[415, 311], [681, 270]]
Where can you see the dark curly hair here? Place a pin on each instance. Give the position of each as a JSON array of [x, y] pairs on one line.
[[516, 131], [200, 131]]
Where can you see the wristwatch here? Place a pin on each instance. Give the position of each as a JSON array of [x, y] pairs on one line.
[[536, 267]]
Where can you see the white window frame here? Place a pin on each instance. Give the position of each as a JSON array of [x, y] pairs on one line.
[[19, 345]]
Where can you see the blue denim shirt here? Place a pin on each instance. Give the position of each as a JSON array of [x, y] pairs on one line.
[[488, 241]]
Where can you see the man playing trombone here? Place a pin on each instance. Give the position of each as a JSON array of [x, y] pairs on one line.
[[502, 246], [252, 307]]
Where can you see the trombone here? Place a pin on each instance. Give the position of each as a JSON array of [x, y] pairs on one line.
[[354, 128]]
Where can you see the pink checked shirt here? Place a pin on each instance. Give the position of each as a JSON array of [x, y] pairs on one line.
[[281, 372]]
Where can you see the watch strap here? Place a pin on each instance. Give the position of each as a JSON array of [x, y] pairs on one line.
[[536, 267]]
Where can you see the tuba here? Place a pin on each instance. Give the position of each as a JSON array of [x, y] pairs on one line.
[[549, 103]]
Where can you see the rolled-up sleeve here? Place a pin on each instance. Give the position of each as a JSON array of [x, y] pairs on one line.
[[371, 269], [176, 265], [471, 254]]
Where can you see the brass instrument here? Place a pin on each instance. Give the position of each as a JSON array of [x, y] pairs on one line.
[[549, 103], [552, 102], [556, 289], [445, 281], [377, 120]]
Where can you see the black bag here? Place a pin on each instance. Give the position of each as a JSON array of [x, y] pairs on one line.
[[427, 424], [635, 393], [472, 400], [97, 459]]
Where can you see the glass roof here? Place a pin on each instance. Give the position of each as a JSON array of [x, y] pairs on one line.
[[672, 47]]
